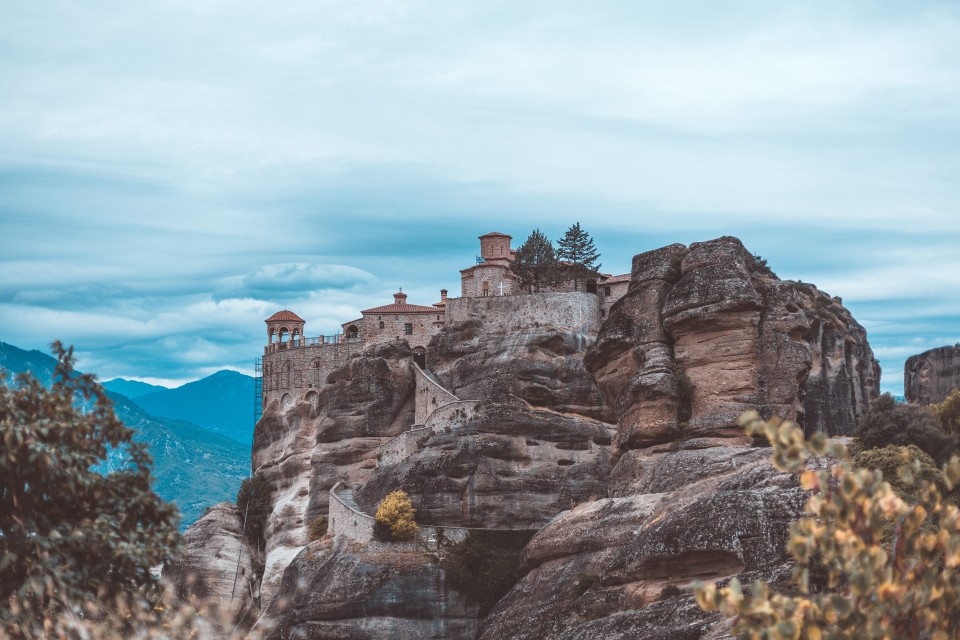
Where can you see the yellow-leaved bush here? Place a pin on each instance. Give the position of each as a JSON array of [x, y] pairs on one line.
[[396, 512], [892, 566]]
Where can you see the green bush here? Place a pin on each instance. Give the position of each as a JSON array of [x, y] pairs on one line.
[[948, 413], [256, 492], [891, 458], [486, 565], [71, 537], [318, 528], [891, 423], [670, 591]]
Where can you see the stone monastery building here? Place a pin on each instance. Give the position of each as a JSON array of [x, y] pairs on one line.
[[294, 365]]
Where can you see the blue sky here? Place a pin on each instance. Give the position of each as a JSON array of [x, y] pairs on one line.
[[171, 173]]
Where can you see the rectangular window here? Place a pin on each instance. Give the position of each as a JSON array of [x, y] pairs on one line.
[[606, 291], [408, 328]]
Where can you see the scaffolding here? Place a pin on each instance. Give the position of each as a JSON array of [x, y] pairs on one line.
[[257, 390]]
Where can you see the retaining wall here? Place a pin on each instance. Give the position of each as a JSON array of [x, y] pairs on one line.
[[450, 416], [579, 311], [429, 396]]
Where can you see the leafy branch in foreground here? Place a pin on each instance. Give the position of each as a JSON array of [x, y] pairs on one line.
[[72, 539], [892, 565]]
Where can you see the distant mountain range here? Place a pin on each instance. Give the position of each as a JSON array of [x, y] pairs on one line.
[[133, 389], [193, 466], [222, 402]]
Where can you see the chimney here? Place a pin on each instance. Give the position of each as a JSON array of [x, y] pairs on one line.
[[443, 295], [400, 298]]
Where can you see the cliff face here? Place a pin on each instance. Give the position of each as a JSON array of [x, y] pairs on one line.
[[305, 448], [706, 333], [212, 560], [621, 448], [929, 377]]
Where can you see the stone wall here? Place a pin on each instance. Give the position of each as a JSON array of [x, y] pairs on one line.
[[352, 523], [617, 290], [450, 416], [430, 396], [578, 311], [295, 370]]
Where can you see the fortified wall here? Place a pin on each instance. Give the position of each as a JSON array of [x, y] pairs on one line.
[[292, 370], [579, 311]]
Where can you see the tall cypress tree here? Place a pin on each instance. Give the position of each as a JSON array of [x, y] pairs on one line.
[[535, 264], [576, 248]]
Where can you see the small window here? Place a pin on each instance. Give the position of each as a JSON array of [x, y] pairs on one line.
[[603, 313], [408, 328], [381, 324], [379, 317], [606, 291]]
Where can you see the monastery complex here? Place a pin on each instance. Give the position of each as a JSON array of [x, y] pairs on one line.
[[294, 365]]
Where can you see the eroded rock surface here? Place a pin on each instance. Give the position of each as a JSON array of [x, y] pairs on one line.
[[929, 377], [306, 448], [707, 332], [334, 591], [212, 559], [510, 467], [601, 568]]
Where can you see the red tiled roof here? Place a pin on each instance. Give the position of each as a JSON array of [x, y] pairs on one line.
[[496, 234], [285, 316], [614, 279], [400, 308]]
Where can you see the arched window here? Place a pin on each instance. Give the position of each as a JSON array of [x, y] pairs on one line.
[[315, 372], [486, 289]]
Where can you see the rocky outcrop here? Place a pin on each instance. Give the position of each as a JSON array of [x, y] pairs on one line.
[[335, 590], [929, 377], [212, 562], [600, 570], [306, 448], [707, 332], [511, 467]]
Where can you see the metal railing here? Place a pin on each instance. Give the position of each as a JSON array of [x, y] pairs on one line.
[[317, 341]]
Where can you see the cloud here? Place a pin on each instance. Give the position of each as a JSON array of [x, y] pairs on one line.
[[169, 173]]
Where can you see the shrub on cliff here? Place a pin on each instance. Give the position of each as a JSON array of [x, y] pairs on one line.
[[254, 502], [486, 565], [74, 541], [395, 514], [889, 422], [948, 413], [891, 564]]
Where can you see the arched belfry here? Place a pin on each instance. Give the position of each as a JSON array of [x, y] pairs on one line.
[[285, 327]]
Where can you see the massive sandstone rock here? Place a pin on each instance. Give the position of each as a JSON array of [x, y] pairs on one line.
[[538, 445], [510, 467], [306, 448], [212, 560], [929, 377], [599, 570], [707, 332], [704, 333], [334, 590]]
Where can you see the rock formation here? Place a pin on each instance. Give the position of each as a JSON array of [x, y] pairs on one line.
[[338, 590], [929, 377], [707, 332], [621, 448], [212, 560], [306, 448]]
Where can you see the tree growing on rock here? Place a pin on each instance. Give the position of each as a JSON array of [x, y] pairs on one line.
[[535, 264], [396, 513], [892, 564], [72, 538], [578, 255]]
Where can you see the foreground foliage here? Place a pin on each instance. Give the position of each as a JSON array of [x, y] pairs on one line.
[[396, 514], [891, 563], [74, 544], [891, 423]]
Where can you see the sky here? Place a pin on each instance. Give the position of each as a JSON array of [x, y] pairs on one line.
[[173, 172]]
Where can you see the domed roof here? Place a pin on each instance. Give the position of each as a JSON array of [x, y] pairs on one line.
[[285, 316]]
